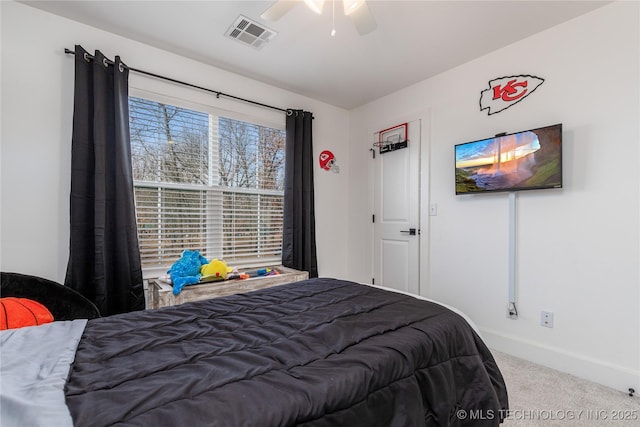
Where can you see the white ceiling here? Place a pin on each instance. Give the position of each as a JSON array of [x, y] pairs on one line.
[[414, 40]]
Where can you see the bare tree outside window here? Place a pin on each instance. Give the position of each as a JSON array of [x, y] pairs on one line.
[[178, 197]]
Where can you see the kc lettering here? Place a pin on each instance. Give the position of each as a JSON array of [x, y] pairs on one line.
[[511, 91]]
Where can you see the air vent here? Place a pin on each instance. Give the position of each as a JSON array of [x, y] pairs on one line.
[[250, 32]]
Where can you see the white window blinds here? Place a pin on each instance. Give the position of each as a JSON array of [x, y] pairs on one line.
[[205, 182]]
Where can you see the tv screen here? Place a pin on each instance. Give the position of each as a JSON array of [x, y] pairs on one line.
[[526, 160]]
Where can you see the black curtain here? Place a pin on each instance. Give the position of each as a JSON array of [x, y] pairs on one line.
[[104, 257], [299, 224]]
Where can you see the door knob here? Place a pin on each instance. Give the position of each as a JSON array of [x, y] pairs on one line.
[[411, 231]]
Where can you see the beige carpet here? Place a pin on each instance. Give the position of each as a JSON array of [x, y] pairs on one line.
[[540, 396]]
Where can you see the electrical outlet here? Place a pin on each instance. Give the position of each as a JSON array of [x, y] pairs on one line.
[[546, 319]]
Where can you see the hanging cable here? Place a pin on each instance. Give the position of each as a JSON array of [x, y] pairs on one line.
[[217, 93]]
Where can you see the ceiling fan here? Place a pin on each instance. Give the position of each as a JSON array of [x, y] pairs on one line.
[[356, 10]]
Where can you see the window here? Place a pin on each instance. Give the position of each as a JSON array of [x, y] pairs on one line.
[[205, 182]]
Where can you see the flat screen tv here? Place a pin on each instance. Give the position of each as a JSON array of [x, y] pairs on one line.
[[527, 160]]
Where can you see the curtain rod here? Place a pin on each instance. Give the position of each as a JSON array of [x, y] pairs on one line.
[[218, 93]]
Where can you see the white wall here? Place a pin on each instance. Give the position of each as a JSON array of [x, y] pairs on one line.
[[37, 111], [578, 247]]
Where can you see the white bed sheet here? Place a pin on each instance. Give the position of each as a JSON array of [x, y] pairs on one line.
[[34, 365]]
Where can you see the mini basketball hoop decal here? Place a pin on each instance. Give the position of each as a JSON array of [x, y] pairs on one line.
[[391, 139]]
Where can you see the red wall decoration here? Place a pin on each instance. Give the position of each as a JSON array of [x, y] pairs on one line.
[[505, 92], [328, 161]]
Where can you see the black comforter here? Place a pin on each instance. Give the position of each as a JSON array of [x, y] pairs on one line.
[[323, 352]]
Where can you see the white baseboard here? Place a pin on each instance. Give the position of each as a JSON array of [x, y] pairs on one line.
[[616, 377]]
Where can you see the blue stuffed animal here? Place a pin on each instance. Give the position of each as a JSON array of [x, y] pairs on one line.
[[186, 270]]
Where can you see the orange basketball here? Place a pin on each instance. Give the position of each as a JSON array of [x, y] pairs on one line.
[[19, 312]]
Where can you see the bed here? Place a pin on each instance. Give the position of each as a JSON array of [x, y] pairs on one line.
[[321, 352]]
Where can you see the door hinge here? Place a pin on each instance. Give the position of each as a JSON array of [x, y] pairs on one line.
[[373, 218], [373, 152], [373, 280]]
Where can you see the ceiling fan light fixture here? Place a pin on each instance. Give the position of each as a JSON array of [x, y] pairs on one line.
[[351, 6], [356, 10], [315, 5]]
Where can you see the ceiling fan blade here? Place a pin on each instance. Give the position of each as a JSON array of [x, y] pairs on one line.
[[363, 20], [278, 10]]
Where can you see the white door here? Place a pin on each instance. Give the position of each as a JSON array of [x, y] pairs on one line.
[[396, 221]]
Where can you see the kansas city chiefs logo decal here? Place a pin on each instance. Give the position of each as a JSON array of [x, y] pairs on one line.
[[504, 92]]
